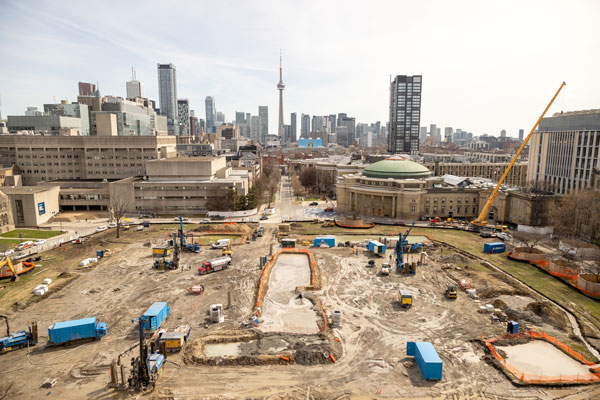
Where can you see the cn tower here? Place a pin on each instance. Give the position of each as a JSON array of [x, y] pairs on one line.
[[280, 87]]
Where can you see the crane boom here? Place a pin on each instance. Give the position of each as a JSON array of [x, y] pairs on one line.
[[481, 219]]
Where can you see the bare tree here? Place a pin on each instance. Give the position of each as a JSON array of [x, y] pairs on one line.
[[530, 239], [119, 204], [308, 178], [576, 214]]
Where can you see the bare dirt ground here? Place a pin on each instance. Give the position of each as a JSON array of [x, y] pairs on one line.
[[374, 331]]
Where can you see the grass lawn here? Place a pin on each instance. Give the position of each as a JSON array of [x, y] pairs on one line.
[[31, 234], [6, 244], [209, 239]]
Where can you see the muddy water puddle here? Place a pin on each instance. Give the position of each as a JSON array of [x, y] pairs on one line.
[[222, 349]]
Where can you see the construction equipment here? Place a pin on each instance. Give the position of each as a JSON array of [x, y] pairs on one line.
[[145, 368], [214, 265], [405, 298], [451, 292], [7, 263], [400, 250], [164, 264], [482, 218], [18, 339], [227, 250], [193, 247]]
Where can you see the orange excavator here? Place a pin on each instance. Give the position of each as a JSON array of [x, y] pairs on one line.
[[483, 216]]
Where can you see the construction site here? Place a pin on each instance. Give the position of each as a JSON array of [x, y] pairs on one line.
[[301, 311]]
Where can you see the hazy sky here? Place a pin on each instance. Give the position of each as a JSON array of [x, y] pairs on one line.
[[486, 65]]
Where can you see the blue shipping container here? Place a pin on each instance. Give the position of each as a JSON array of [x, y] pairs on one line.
[[429, 362], [86, 328], [327, 240], [493, 248], [155, 315]]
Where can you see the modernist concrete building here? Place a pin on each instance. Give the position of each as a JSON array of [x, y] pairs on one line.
[[180, 185], [564, 151], [32, 205], [45, 158]]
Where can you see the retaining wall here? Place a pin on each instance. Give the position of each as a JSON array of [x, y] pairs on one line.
[[589, 285]]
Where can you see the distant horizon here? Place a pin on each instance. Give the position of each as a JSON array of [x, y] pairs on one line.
[[485, 68]]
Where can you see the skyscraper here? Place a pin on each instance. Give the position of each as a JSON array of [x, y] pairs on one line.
[[332, 122], [211, 113], [263, 114], [86, 89], [521, 133], [134, 87], [304, 125], [183, 116], [293, 127], [240, 118], [280, 87], [350, 123], [405, 114], [167, 95]]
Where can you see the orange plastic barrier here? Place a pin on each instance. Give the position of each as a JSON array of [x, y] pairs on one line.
[[332, 358], [542, 379]]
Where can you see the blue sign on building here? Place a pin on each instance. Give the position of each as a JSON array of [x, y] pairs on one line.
[[42, 208]]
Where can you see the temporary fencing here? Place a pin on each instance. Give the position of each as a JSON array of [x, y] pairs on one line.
[[592, 377]]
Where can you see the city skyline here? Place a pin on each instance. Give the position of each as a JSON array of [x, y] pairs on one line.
[[470, 86]]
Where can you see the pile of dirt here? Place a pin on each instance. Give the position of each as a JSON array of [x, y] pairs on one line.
[[548, 314], [497, 303], [456, 258], [234, 228]]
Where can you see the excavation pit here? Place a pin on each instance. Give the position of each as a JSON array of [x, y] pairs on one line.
[[541, 358], [285, 310]]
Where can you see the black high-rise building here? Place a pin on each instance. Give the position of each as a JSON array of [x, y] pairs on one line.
[[293, 128], [405, 114]]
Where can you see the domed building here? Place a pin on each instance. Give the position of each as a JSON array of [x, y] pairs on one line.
[[400, 188]]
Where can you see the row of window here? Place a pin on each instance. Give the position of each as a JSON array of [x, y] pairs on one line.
[[458, 200]]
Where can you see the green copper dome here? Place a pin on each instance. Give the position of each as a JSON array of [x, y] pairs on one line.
[[397, 168]]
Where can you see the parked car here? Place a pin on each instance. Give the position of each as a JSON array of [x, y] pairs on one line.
[[260, 231], [24, 245], [140, 228], [146, 216], [183, 218], [263, 217], [503, 236], [314, 203], [101, 228], [205, 221], [218, 217], [112, 225], [9, 252], [39, 242]]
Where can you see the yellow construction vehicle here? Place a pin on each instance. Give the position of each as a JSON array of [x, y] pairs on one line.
[[483, 216], [7, 262], [451, 292], [227, 250]]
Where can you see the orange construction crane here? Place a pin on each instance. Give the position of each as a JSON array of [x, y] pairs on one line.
[[481, 220]]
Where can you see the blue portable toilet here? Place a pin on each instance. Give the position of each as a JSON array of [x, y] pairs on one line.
[[512, 327], [427, 358], [99, 253]]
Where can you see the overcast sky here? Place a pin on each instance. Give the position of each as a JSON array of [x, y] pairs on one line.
[[486, 66]]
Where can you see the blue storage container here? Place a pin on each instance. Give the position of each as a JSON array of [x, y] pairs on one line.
[[427, 358], [493, 248], [155, 315], [86, 328], [329, 241], [99, 253]]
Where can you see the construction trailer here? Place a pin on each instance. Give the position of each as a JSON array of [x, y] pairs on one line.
[[324, 241], [376, 247], [69, 331], [288, 243], [427, 358], [155, 316], [493, 248], [18, 339]]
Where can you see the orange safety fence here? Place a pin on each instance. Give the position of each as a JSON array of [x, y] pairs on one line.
[[568, 278], [543, 379]]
